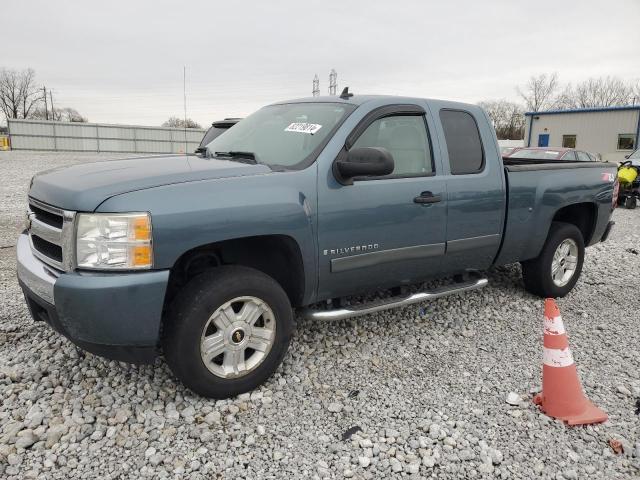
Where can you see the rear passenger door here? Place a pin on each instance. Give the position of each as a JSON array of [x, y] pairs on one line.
[[475, 188]]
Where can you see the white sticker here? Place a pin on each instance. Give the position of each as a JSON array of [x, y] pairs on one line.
[[303, 128]]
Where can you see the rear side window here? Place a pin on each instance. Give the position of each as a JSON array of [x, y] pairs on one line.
[[463, 142], [583, 157]]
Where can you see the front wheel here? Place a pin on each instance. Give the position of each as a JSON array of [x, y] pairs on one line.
[[227, 331], [556, 270]]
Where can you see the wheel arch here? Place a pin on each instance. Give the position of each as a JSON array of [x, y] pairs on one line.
[[582, 215], [278, 256]]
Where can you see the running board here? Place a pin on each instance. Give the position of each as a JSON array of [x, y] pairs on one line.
[[401, 301]]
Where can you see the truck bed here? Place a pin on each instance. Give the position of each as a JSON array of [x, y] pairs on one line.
[[528, 164], [534, 196]]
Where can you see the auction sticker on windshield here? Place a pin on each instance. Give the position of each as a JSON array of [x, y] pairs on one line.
[[303, 128]]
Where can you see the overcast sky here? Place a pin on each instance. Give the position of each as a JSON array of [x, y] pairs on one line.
[[122, 61]]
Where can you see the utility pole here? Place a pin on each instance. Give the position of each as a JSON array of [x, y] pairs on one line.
[[333, 85], [184, 92], [53, 112], [46, 111], [316, 86]]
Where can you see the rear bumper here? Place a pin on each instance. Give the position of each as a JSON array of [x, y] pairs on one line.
[[607, 231], [114, 315]]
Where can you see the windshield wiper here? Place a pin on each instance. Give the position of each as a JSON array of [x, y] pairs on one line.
[[244, 157]]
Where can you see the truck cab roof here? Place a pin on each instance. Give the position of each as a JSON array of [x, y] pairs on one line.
[[358, 100]]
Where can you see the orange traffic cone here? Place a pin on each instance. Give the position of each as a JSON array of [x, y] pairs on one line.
[[562, 395]]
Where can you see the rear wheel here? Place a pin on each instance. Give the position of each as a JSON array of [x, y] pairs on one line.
[[630, 202], [556, 270], [227, 331]]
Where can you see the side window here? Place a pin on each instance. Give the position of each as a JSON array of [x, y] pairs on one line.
[[570, 155], [583, 157], [463, 142], [405, 136]]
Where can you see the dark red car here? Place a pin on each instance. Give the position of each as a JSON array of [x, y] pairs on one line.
[[550, 153]]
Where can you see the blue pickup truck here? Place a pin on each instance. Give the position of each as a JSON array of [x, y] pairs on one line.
[[300, 205]]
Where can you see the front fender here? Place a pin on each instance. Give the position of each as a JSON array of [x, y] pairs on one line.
[[189, 215]]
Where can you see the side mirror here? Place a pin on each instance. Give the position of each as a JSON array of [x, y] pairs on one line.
[[364, 162]]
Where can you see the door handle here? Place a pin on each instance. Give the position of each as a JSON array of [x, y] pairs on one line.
[[427, 197]]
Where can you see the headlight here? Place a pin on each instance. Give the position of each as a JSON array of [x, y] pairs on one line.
[[114, 241]]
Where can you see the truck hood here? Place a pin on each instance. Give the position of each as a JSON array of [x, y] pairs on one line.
[[84, 187]]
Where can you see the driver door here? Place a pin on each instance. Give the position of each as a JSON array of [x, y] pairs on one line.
[[379, 231]]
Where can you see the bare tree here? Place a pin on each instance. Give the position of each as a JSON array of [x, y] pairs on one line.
[[68, 115], [603, 92], [65, 114], [177, 122], [495, 109], [566, 99], [635, 92], [507, 118], [19, 96], [539, 91]]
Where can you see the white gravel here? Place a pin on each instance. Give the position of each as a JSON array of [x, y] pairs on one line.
[[418, 392]]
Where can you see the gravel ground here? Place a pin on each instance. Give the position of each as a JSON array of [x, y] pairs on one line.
[[417, 392]]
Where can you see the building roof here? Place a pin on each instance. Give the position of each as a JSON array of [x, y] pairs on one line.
[[586, 110]]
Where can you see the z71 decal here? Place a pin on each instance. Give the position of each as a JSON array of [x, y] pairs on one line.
[[609, 177]]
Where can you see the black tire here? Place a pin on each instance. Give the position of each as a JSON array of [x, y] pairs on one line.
[[536, 273], [630, 202], [190, 312]]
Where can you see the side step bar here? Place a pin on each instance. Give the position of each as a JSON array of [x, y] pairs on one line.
[[376, 306]]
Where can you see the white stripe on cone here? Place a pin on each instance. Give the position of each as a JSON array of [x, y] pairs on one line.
[[554, 326], [554, 357]]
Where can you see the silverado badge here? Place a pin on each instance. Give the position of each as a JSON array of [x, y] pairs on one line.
[[351, 249]]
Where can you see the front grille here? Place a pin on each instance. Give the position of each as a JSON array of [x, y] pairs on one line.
[[51, 250], [50, 231], [49, 218]]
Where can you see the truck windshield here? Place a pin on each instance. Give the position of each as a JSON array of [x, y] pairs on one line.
[[283, 135]]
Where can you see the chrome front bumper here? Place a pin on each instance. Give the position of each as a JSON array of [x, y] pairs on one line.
[[33, 273]]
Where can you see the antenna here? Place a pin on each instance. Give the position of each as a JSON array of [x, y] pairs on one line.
[[184, 93], [316, 86], [333, 86], [345, 93]]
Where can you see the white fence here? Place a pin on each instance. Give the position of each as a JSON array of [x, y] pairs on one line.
[[97, 137]]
